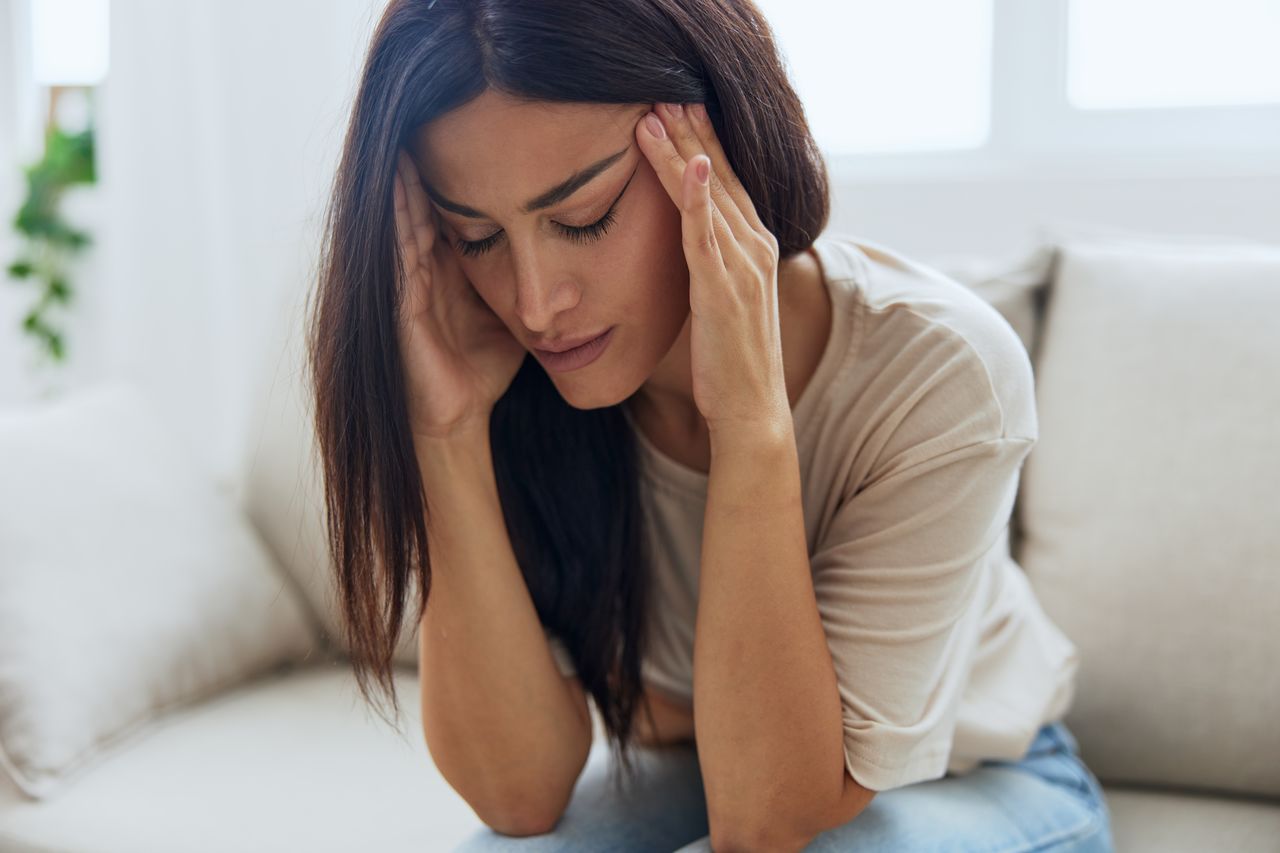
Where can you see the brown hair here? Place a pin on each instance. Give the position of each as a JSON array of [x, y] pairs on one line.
[[568, 478]]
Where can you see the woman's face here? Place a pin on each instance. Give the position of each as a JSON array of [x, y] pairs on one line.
[[495, 155]]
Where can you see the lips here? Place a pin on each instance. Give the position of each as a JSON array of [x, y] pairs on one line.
[[578, 357], [572, 343]]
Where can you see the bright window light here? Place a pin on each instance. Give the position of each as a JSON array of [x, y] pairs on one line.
[[879, 77], [1172, 53], [69, 42]]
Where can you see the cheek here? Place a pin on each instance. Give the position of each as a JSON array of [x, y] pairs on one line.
[[655, 244], [482, 281], [658, 226]]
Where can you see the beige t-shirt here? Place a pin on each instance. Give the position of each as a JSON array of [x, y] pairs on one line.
[[911, 436]]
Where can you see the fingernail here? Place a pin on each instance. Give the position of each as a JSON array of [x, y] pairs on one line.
[[655, 126], [699, 111], [703, 169], [675, 109]]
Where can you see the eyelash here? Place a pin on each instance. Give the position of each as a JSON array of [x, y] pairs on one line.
[[585, 234]]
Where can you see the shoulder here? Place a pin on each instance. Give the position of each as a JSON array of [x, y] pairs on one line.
[[937, 347]]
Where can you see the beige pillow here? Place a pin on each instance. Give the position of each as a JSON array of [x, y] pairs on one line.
[[129, 584], [1149, 505]]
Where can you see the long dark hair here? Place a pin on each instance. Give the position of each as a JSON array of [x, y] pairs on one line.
[[568, 478]]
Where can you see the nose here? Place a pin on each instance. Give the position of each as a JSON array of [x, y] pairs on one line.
[[542, 292]]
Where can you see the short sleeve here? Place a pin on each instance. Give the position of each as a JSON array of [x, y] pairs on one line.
[[564, 661], [900, 576]]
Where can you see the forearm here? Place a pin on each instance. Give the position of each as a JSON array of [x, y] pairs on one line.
[[502, 725], [768, 709]]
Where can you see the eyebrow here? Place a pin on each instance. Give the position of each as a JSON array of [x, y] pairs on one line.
[[556, 194]]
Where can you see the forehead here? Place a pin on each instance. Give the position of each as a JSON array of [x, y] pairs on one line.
[[499, 149]]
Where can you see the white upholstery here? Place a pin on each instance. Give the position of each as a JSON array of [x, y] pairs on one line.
[[1156, 821], [289, 762], [128, 584]]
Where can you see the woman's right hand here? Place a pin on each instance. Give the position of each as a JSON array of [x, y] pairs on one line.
[[458, 356]]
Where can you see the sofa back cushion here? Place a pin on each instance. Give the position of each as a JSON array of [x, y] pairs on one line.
[[129, 584], [283, 487], [1149, 506]]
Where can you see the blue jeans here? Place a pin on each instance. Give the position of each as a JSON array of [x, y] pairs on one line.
[[1048, 801]]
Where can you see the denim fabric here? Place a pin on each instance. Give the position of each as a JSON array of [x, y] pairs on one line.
[[1048, 801]]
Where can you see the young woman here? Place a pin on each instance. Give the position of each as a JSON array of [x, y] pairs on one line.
[[593, 392]]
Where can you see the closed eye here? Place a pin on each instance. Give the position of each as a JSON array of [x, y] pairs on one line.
[[578, 234]]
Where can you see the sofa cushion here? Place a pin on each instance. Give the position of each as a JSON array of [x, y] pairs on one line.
[[290, 761], [129, 584], [1155, 821], [1148, 507]]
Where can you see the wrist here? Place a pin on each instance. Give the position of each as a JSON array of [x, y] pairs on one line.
[[467, 432], [765, 436], [444, 458]]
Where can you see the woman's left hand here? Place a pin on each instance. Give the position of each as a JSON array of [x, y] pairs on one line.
[[735, 338]]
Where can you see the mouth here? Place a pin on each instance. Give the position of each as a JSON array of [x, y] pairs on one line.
[[579, 356]]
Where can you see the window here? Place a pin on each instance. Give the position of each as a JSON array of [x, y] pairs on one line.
[[69, 42], [911, 75], [931, 88], [1192, 53]]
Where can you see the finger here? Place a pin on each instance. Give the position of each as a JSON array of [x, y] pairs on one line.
[[408, 251], [402, 217], [671, 169], [706, 133], [413, 302], [419, 220], [686, 141], [702, 244]]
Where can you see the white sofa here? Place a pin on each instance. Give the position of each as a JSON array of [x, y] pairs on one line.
[[1148, 521]]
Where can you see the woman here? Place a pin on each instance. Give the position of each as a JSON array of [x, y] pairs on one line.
[[807, 447]]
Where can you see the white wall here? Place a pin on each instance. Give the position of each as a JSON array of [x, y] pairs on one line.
[[15, 102], [213, 177]]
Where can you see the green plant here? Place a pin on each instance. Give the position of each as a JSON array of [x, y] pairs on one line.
[[50, 242]]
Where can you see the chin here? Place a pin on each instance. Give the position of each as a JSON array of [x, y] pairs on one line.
[[584, 395], [584, 392]]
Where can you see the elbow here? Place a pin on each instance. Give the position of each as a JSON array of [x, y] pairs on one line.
[[525, 812], [783, 836], [522, 807], [522, 815], [749, 835], [520, 823], [745, 840]]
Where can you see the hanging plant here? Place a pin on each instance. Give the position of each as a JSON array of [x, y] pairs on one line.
[[50, 242]]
